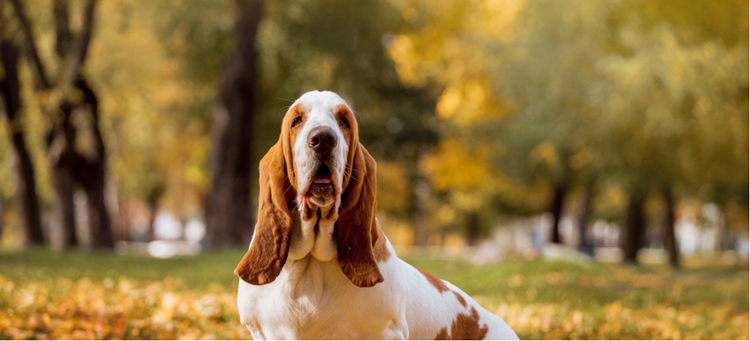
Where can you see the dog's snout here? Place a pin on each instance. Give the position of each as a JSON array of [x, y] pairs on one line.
[[322, 139]]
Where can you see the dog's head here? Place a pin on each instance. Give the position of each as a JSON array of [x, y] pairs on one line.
[[319, 167]]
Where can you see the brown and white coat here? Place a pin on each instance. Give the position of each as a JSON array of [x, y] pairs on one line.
[[319, 265]]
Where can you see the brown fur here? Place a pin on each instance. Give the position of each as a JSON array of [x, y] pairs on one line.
[[464, 327], [460, 299], [356, 230], [270, 247], [359, 240], [436, 282]]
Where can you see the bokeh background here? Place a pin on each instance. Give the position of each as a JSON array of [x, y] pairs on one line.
[[578, 167]]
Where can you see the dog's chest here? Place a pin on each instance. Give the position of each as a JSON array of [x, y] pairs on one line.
[[312, 299]]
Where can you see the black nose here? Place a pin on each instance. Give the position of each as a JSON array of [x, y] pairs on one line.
[[322, 139]]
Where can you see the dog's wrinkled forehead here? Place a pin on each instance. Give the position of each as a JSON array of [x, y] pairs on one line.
[[320, 107]]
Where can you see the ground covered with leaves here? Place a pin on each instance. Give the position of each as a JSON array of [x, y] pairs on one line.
[[91, 295]]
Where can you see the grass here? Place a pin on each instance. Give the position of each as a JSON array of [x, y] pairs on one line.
[[100, 295], [563, 300]]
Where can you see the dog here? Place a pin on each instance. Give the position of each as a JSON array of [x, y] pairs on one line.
[[319, 265]]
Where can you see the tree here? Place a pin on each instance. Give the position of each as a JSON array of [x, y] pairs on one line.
[[545, 77], [674, 110], [156, 110], [670, 240], [451, 46], [88, 170], [612, 93], [228, 207], [585, 244], [27, 201], [73, 96], [294, 55]]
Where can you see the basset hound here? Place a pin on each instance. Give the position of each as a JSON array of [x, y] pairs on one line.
[[319, 265]]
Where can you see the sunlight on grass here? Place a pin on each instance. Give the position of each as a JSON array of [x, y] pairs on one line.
[[92, 296], [116, 309]]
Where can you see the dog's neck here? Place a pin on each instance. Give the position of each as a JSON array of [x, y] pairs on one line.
[[313, 236]]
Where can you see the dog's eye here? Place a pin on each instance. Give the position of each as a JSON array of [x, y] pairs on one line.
[[297, 121], [344, 123]]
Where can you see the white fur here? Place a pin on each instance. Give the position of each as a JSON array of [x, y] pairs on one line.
[[320, 109], [313, 299]]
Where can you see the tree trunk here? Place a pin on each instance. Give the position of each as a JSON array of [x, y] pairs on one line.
[[32, 56], [419, 197], [100, 224], [27, 202], [94, 165], [123, 219], [634, 229], [228, 217], [556, 209], [670, 240], [63, 36], [151, 220], [65, 205], [473, 229], [584, 244], [87, 170], [59, 141]]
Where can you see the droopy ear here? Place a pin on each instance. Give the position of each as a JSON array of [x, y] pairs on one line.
[[270, 246], [356, 229]]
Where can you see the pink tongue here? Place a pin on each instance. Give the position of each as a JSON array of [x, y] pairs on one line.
[[322, 179], [303, 204]]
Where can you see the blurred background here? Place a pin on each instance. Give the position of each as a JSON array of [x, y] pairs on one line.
[[588, 131]]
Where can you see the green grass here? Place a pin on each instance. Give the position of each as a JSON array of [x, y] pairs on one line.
[[196, 272], [586, 286], [103, 295], [614, 298]]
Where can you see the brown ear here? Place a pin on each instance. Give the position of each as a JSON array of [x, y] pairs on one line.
[[356, 229], [270, 246]]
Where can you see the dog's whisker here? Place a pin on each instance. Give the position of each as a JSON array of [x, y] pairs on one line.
[[352, 176], [287, 190], [352, 169]]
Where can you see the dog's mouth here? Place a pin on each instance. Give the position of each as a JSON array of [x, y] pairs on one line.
[[322, 177], [320, 194]]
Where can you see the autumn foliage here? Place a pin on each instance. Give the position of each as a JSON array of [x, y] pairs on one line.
[[626, 114], [126, 297]]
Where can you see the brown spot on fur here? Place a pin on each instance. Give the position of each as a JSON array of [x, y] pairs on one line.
[[464, 327], [436, 282], [460, 299]]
